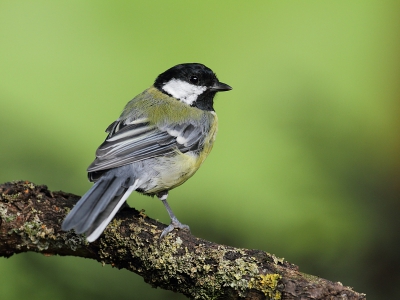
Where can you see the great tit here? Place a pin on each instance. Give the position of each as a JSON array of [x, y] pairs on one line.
[[160, 140]]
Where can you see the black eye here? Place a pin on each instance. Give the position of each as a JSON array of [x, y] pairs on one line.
[[194, 79]]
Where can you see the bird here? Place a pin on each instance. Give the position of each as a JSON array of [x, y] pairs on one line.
[[159, 141]]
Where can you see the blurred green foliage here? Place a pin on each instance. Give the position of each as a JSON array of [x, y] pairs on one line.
[[306, 163]]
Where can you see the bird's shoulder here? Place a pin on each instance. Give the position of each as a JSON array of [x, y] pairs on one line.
[[161, 109]]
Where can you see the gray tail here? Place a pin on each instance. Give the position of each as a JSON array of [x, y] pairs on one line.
[[99, 205]]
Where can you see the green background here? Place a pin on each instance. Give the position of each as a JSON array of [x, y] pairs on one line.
[[306, 163]]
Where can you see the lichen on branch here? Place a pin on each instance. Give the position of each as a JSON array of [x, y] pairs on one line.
[[30, 219]]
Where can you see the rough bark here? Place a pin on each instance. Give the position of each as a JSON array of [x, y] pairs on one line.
[[30, 221]]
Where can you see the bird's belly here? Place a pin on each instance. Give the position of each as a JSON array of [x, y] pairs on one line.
[[170, 172]]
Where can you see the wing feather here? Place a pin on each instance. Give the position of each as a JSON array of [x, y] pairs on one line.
[[136, 140]]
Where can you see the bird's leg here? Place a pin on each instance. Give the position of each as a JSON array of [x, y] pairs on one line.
[[174, 221]]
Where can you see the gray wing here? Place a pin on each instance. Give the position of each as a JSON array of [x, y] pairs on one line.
[[137, 140]]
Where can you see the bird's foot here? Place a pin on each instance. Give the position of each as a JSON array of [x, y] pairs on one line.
[[174, 224]]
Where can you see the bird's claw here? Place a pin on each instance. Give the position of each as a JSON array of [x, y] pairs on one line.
[[174, 224]]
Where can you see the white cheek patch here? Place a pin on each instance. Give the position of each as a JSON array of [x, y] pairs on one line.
[[183, 90]]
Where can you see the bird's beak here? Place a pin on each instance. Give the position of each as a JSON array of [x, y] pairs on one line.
[[220, 87]]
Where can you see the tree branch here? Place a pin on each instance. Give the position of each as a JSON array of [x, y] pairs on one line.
[[30, 221]]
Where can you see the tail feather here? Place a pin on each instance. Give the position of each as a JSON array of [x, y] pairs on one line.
[[85, 205], [99, 205], [107, 215]]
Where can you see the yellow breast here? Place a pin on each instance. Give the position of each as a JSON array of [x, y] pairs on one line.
[[174, 170]]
